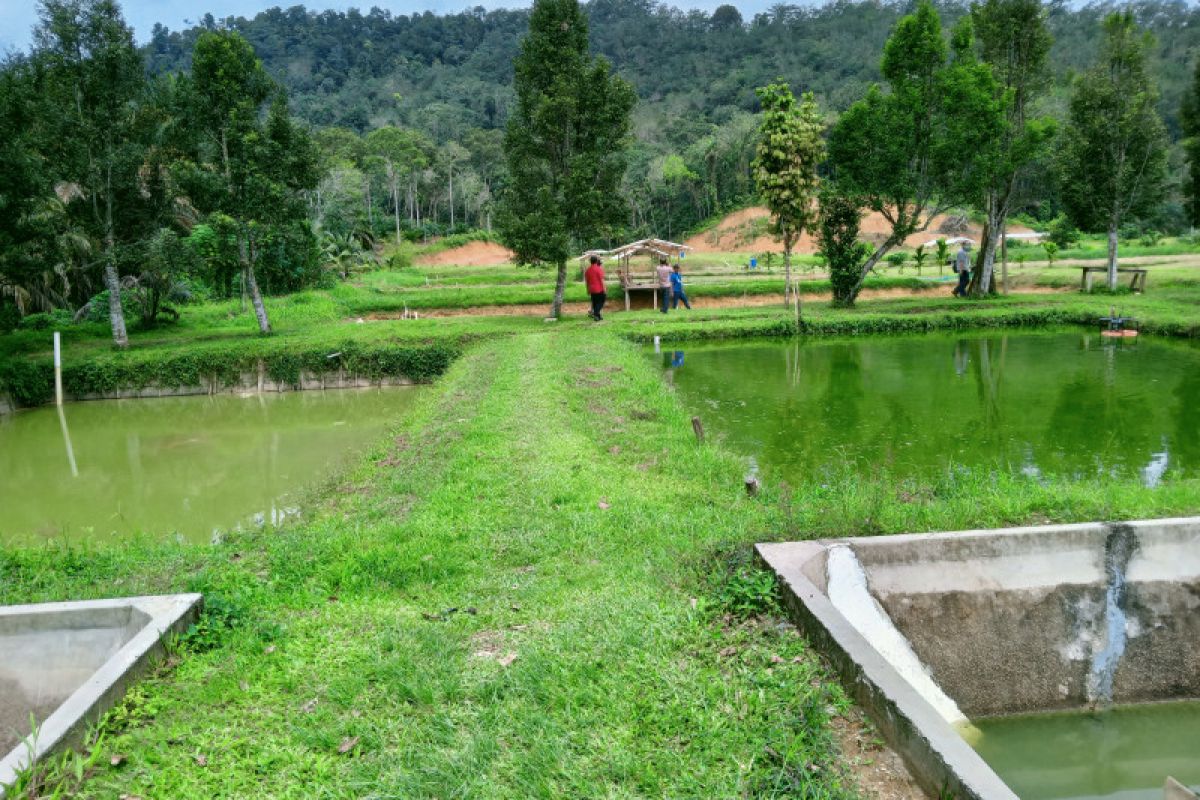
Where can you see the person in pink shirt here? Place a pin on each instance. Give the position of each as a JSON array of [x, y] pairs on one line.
[[664, 284], [593, 276]]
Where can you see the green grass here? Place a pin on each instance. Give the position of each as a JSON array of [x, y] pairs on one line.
[[492, 497], [612, 638]]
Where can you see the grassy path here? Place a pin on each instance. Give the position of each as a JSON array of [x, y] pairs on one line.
[[550, 490]]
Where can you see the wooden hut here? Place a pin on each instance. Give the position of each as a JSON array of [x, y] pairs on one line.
[[640, 277]]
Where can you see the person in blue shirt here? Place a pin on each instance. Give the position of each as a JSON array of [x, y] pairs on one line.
[[677, 293]]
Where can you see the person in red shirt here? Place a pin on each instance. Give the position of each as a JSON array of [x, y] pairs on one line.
[[593, 276]]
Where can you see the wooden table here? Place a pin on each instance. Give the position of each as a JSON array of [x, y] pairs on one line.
[[1137, 283], [652, 288]]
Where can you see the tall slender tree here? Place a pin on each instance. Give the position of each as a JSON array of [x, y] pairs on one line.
[[1189, 119], [1113, 148], [913, 152], [247, 168], [565, 143], [93, 79], [1014, 41], [785, 168]]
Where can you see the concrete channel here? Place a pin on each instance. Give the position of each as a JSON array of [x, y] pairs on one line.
[[928, 631], [62, 665]]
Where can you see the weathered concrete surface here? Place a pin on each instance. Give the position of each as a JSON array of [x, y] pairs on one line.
[[940, 760], [1007, 621], [67, 663], [1013, 620], [1174, 790], [247, 383]]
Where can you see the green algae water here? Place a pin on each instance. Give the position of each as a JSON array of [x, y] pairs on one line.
[[188, 467], [1125, 753], [1040, 403]]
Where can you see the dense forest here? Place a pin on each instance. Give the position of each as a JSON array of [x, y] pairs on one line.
[[267, 154], [450, 78]]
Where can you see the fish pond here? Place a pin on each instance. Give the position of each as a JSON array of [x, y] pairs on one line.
[[1123, 753], [187, 467], [1063, 403]]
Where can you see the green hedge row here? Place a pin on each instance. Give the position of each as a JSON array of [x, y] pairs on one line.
[[30, 382], [852, 323]]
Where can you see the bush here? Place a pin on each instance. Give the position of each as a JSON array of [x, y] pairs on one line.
[[1150, 238], [1062, 232], [54, 320], [10, 318], [97, 308]]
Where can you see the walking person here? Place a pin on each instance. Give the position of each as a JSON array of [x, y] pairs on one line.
[[962, 265], [664, 283], [593, 276], [677, 293]]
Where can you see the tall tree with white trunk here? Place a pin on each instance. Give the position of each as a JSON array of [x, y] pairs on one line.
[[1113, 147]]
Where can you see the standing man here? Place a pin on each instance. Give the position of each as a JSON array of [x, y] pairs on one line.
[[664, 283], [593, 276], [677, 293], [962, 265]]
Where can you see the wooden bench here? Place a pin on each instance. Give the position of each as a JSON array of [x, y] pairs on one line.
[[632, 287], [1137, 283]]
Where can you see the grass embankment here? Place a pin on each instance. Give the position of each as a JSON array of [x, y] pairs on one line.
[[535, 587], [217, 341]]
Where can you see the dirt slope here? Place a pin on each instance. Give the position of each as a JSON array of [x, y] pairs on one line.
[[472, 254], [744, 231]]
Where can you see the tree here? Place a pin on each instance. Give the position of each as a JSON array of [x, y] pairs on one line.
[[565, 143], [914, 151], [404, 154], [93, 79], [1051, 252], [1113, 149], [837, 238], [1189, 119], [785, 168], [26, 195], [1014, 41], [943, 253], [919, 257], [250, 170]]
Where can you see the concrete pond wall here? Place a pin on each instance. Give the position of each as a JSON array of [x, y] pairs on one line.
[[950, 626], [248, 382], [65, 664]]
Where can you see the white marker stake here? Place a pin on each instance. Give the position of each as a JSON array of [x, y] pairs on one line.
[[57, 368]]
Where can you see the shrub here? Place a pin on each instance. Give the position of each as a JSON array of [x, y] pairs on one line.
[[1062, 232], [43, 321]]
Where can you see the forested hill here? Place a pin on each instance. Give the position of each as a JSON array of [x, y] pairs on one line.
[[447, 74]]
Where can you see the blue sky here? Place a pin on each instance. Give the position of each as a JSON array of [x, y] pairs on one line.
[[17, 17]]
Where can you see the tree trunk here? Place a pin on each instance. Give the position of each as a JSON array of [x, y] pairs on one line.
[[112, 281], [396, 209], [875, 258], [452, 199], [787, 273], [982, 282], [1004, 257], [115, 313], [1112, 254], [260, 310], [370, 213], [560, 286], [787, 268]]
